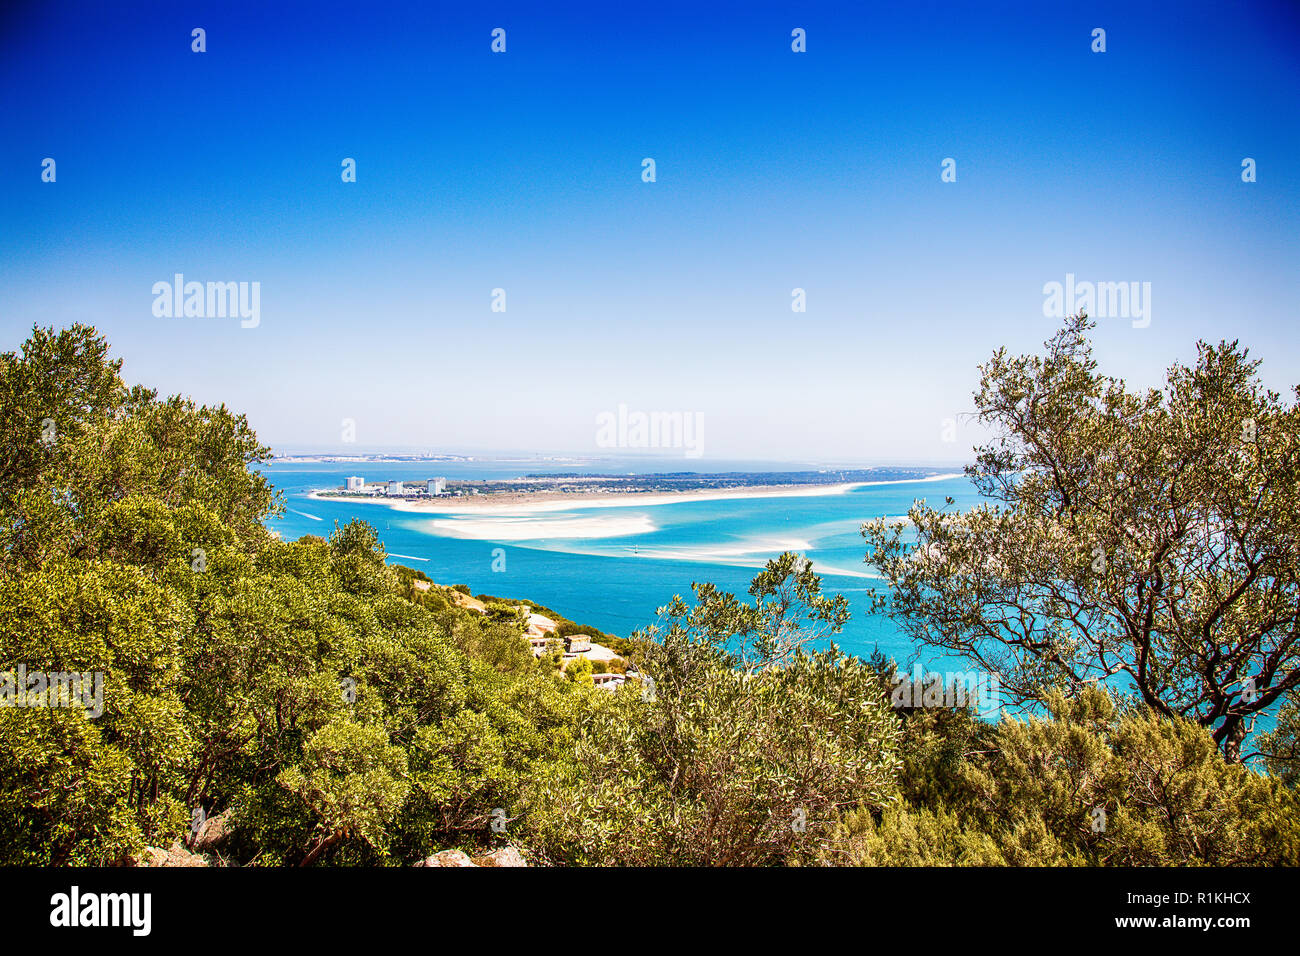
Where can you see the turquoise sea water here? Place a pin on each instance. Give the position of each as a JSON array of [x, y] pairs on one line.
[[611, 567]]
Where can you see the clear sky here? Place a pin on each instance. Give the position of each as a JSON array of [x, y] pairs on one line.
[[523, 171]]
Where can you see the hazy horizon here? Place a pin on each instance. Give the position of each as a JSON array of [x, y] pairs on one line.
[[289, 450]]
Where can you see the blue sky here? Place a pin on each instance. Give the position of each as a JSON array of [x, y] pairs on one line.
[[522, 171]]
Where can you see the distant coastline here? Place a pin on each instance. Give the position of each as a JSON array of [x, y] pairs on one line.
[[366, 459], [542, 500]]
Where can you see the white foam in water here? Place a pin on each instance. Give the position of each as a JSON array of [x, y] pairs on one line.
[[559, 526], [754, 555], [522, 527], [768, 546]]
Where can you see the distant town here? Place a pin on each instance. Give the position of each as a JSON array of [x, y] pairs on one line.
[[357, 487]]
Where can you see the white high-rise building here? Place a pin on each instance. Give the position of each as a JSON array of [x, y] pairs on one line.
[[355, 483], [437, 486], [395, 488]]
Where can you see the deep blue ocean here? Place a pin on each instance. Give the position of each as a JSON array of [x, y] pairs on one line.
[[612, 567]]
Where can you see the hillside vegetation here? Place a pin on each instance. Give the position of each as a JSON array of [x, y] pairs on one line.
[[334, 713]]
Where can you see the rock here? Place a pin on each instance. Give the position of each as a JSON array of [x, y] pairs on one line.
[[176, 856], [152, 856], [506, 856], [215, 829], [447, 858]]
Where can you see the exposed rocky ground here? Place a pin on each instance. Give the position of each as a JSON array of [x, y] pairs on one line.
[[204, 850]]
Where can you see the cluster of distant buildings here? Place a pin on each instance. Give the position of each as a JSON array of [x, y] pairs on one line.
[[541, 635], [433, 488]]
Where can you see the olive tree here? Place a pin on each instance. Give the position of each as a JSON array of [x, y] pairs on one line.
[[1142, 539]]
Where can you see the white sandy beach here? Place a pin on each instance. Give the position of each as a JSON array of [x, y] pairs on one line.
[[529, 503]]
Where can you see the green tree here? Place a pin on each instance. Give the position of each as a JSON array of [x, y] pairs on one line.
[[1140, 539], [76, 442], [1280, 747], [290, 686], [515, 616], [741, 748], [1092, 783], [353, 782], [579, 670]]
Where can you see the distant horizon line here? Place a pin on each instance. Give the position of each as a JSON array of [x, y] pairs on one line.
[[380, 452]]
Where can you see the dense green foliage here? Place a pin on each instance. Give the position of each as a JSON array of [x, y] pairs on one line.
[[1091, 784], [335, 709], [308, 689], [1280, 747], [744, 750], [1143, 539]]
